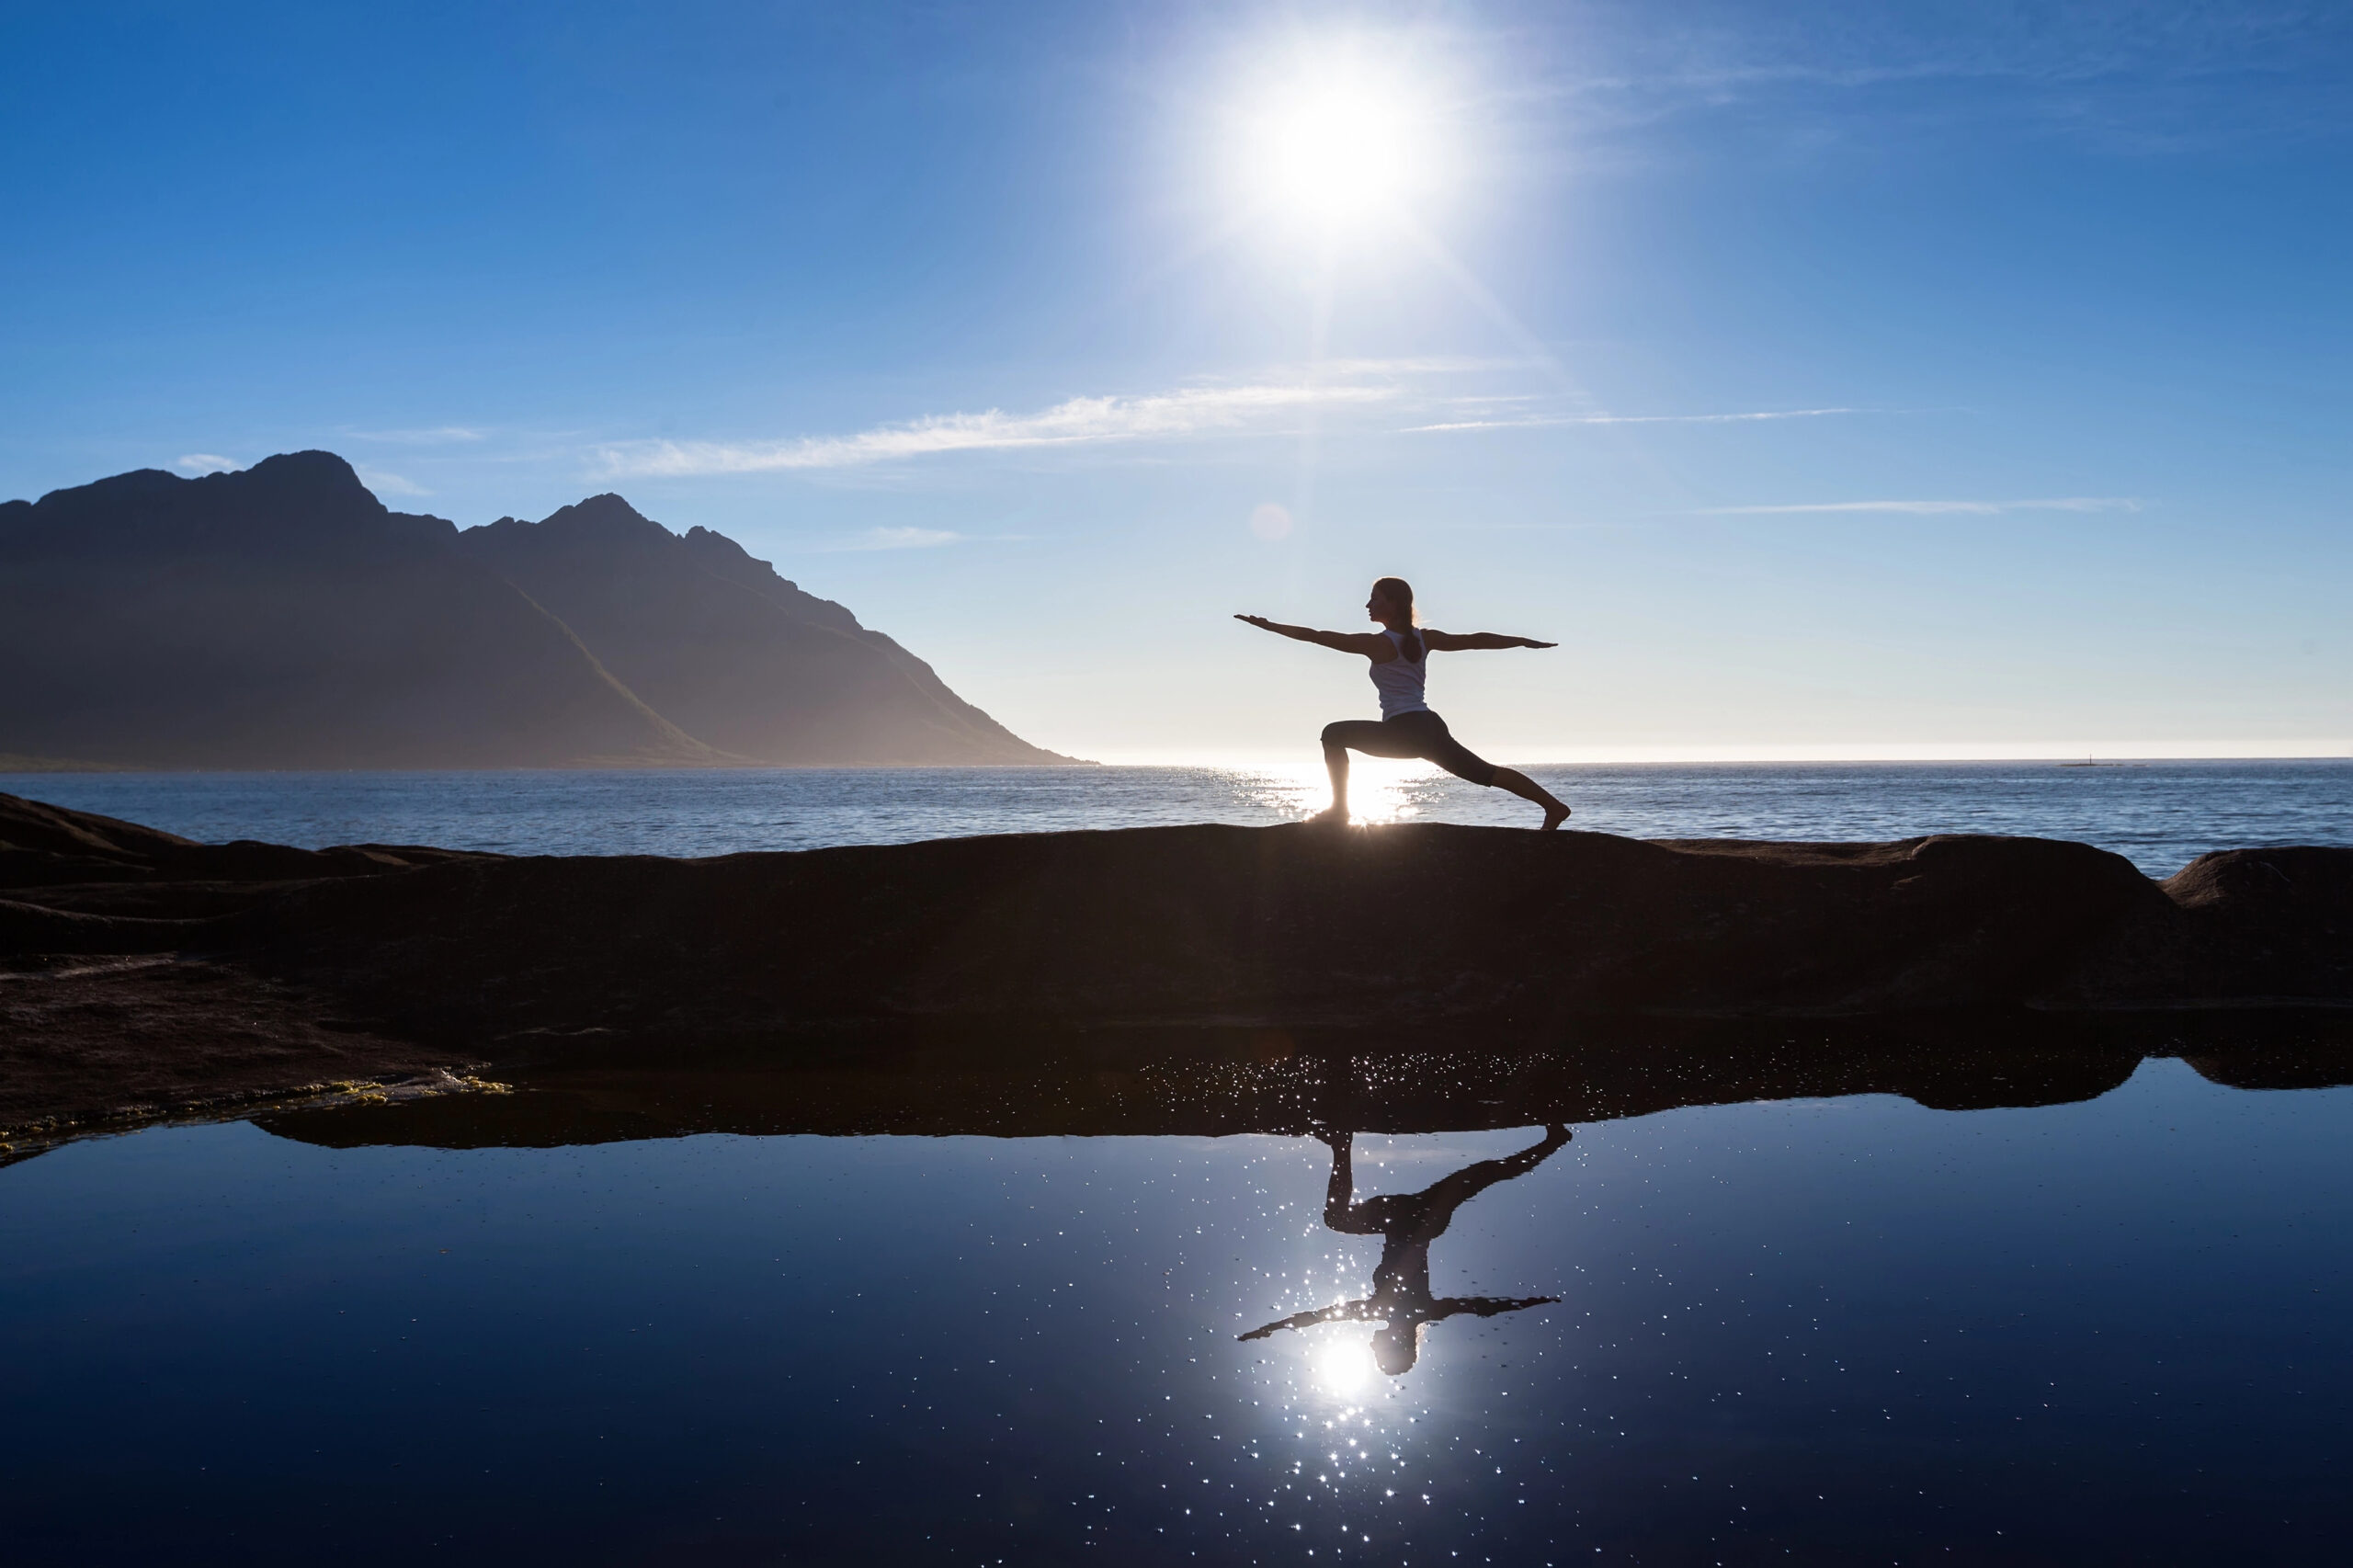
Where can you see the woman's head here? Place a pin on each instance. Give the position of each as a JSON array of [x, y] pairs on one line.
[[1391, 602]]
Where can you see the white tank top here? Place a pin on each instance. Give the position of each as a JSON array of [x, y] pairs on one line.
[[1400, 680]]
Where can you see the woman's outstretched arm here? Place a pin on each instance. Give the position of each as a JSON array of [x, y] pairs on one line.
[[1347, 1312], [1455, 641], [1369, 643]]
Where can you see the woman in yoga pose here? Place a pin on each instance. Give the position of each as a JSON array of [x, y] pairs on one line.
[[1399, 653]]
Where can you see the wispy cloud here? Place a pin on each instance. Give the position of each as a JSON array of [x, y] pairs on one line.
[[902, 538], [384, 483], [2147, 76], [1278, 402], [208, 462], [1193, 411], [1939, 508], [437, 436], [1418, 365], [1537, 422]]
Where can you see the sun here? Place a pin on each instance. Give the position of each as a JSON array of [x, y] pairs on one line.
[[1341, 144], [1341, 152]]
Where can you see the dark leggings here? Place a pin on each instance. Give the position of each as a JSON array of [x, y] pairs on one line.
[[1422, 735]]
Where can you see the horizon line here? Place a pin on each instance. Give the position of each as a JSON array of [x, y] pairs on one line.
[[1290, 760], [2132, 751]]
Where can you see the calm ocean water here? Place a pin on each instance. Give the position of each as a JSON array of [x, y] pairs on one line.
[[2159, 815]]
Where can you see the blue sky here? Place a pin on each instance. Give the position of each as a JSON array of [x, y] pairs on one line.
[[1828, 380]]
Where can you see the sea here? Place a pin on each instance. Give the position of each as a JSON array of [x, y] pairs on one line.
[[2159, 815], [1982, 1293]]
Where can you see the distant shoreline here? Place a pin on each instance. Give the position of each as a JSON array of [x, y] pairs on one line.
[[30, 766]]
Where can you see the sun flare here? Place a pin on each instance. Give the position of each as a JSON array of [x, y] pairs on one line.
[[1342, 152], [1341, 144]]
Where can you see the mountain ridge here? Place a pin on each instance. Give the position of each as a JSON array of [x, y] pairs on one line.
[[282, 615]]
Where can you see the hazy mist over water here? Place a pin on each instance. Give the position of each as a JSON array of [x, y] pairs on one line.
[[2160, 815]]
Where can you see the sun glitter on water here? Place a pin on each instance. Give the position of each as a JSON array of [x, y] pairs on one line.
[[1379, 790]]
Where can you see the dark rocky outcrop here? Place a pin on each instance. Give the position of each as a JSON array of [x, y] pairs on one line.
[[283, 617], [1280, 927], [105, 1016], [1200, 925], [2252, 924], [444, 957]]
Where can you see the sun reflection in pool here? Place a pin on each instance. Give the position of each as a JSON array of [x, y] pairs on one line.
[[1342, 1365]]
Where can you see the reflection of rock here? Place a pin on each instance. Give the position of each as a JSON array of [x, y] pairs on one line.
[[638, 960], [1206, 1082]]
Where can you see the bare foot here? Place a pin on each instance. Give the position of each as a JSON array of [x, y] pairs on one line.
[[1554, 815], [1330, 817]]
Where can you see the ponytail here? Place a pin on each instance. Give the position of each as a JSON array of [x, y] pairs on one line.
[[1398, 591]]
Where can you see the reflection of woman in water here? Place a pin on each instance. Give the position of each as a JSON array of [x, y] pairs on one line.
[[1406, 1223], [1407, 727]]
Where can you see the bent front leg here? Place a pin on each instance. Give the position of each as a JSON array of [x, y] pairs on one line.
[[1366, 735], [1335, 766], [1339, 1193]]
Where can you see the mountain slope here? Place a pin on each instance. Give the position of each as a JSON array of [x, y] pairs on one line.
[[734, 653]]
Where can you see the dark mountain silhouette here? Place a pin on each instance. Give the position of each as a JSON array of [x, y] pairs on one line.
[[283, 616], [733, 654]]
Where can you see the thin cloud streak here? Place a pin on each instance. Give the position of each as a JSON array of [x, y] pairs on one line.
[[902, 538], [384, 483], [440, 435], [208, 462], [1424, 365], [1543, 421], [1191, 412], [1937, 509]]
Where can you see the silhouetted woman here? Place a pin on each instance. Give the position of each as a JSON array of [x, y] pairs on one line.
[[1406, 1223], [1407, 728]]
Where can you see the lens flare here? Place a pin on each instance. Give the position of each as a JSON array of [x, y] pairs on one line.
[[1341, 138], [1342, 150]]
